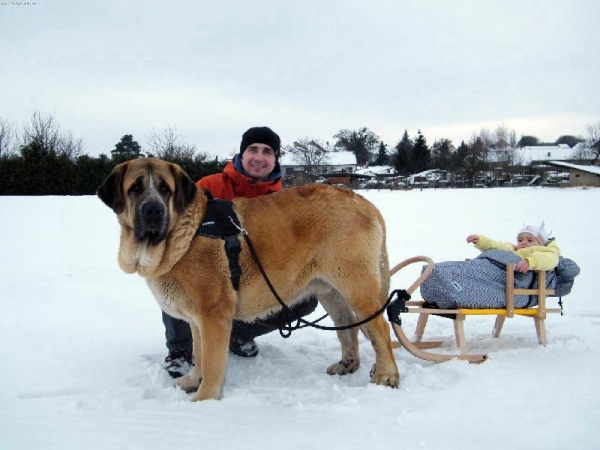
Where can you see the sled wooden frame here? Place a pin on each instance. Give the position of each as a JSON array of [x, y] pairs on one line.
[[417, 347]]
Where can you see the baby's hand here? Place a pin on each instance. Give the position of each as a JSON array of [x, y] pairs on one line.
[[522, 266], [472, 239]]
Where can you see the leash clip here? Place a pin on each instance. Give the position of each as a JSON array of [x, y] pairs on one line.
[[242, 231], [397, 306]]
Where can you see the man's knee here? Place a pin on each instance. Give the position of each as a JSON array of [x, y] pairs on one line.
[[306, 307]]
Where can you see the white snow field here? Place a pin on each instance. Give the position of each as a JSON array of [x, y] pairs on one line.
[[82, 344]]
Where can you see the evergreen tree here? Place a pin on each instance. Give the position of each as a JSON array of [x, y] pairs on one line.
[[91, 172], [383, 158], [45, 172], [126, 149], [400, 159], [420, 155], [457, 157], [441, 157]]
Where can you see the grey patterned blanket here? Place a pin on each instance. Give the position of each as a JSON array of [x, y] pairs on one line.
[[480, 282]]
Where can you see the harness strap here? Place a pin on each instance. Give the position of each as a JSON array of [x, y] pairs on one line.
[[233, 249], [221, 222]]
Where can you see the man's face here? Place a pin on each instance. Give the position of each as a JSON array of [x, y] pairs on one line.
[[258, 161]]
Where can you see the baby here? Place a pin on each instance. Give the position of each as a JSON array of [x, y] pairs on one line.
[[539, 252]]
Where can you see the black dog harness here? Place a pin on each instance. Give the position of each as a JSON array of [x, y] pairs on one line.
[[221, 222]]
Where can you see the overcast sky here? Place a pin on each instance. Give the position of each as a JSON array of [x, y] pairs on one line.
[[305, 68]]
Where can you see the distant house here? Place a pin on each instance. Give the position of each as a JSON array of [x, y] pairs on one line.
[[533, 155], [531, 164], [340, 162], [298, 170], [580, 175], [545, 153]]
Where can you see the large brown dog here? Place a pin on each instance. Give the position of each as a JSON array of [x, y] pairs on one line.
[[312, 239]]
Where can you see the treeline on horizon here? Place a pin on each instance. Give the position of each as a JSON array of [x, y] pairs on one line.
[[49, 162], [42, 160]]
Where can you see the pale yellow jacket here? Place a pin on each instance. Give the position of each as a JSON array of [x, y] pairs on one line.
[[540, 257]]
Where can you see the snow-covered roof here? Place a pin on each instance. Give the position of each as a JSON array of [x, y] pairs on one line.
[[545, 153], [590, 169], [526, 155], [341, 158], [333, 159]]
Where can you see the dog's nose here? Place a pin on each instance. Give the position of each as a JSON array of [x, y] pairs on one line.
[[150, 222], [153, 213]]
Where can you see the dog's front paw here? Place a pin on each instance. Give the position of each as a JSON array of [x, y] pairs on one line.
[[385, 379], [188, 383], [348, 365], [205, 393]]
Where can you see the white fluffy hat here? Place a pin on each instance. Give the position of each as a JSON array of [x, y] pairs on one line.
[[538, 232]]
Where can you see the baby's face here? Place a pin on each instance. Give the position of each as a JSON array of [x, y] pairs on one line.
[[525, 240]]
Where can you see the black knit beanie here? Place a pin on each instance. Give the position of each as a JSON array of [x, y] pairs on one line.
[[261, 135]]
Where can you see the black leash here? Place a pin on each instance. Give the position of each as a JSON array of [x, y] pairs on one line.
[[285, 325], [224, 230]]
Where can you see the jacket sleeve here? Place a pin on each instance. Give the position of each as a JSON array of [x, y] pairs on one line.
[[204, 183], [485, 243], [214, 184], [544, 257]]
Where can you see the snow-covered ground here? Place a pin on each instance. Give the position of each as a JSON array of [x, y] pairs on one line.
[[82, 344]]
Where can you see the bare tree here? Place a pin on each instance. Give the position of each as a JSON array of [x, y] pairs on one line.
[[593, 140], [501, 137], [69, 146], [483, 142], [582, 153], [486, 137], [7, 135], [506, 155], [512, 139], [509, 159], [42, 133], [310, 153], [170, 145]]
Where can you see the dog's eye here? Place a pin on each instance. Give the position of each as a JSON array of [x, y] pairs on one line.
[[164, 188], [136, 188]]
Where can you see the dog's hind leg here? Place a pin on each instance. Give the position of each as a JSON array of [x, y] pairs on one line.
[[385, 371], [190, 383], [366, 296], [337, 308]]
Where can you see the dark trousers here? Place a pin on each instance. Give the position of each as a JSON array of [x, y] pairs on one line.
[[179, 335]]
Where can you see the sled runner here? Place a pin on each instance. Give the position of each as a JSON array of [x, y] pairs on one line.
[[536, 293]]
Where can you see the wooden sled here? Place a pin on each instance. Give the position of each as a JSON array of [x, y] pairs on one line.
[[418, 346]]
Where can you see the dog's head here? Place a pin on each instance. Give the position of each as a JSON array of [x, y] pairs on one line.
[[145, 193]]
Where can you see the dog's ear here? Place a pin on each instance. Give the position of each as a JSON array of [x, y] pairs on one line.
[[111, 190], [185, 190]]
